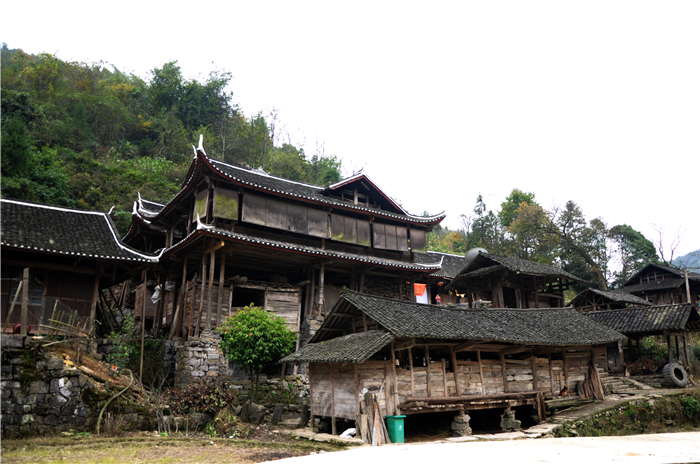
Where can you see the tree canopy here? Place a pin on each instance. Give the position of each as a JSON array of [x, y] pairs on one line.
[[89, 136]]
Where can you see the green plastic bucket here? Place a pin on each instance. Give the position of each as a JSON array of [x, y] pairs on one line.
[[394, 425]]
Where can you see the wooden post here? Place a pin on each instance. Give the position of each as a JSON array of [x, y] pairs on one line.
[[210, 290], [334, 431], [25, 302], [410, 365], [362, 282], [566, 368], [504, 374], [685, 349], [143, 324], [551, 373], [426, 353], [93, 302], [537, 298], [534, 371], [481, 372], [413, 290], [222, 273], [687, 290], [201, 294], [395, 386], [670, 347], [444, 376], [453, 360], [321, 296]]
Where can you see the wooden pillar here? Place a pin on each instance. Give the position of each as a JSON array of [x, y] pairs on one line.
[[685, 349], [504, 373], [481, 372], [551, 373], [222, 274], [394, 385], [158, 317], [453, 360], [25, 302], [321, 296], [534, 286], [362, 282], [144, 276], [497, 295], [334, 431], [426, 354], [444, 376], [210, 290], [413, 289], [201, 293], [311, 292], [534, 372], [566, 368], [178, 322], [93, 302], [410, 366], [670, 347]]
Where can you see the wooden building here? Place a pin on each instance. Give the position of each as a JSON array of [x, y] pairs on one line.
[[234, 236], [592, 299], [663, 285], [432, 358], [673, 322], [60, 254], [512, 282]]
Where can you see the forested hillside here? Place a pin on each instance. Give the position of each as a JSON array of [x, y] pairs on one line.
[[89, 136]]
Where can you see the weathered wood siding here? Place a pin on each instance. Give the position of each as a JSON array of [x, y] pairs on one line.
[[333, 391], [285, 303]]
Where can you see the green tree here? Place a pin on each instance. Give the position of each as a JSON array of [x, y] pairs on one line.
[[482, 229], [253, 339], [633, 250], [509, 208]]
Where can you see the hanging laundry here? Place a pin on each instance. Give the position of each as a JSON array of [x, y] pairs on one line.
[[421, 294]]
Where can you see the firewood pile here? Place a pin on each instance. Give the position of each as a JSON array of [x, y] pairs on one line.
[[371, 424]]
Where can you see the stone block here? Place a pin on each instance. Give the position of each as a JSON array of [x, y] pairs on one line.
[[38, 387], [11, 341], [27, 419]]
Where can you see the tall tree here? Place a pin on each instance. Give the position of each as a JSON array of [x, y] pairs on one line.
[[510, 208], [632, 250]]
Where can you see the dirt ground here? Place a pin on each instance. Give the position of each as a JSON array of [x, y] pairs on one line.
[[149, 447]]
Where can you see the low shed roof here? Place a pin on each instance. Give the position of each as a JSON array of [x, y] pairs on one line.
[[403, 319], [649, 320]]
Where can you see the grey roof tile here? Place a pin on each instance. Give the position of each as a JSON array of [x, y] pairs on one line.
[[64, 231], [355, 348], [647, 320], [613, 295]]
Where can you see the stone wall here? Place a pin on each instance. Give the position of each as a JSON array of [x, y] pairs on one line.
[[200, 358]]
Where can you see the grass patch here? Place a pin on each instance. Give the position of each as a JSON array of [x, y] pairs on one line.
[[147, 447], [675, 413]]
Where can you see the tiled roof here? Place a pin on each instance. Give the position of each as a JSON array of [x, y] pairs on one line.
[[485, 263], [561, 326], [651, 286], [64, 231], [305, 249], [647, 320], [616, 296], [306, 192], [450, 267], [355, 348]]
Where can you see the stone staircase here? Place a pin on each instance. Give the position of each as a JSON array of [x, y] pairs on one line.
[[621, 385]]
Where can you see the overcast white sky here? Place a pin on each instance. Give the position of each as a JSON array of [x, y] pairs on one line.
[[596, 101]]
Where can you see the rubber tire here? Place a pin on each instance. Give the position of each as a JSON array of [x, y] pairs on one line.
[[675, 374]]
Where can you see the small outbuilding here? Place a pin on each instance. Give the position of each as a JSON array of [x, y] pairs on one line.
[[592, 299], [429, 358]]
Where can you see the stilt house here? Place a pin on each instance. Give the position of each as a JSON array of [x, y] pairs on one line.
[[234, 236], [428, 358]]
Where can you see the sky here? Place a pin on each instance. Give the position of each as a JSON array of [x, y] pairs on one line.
[[596, 102]]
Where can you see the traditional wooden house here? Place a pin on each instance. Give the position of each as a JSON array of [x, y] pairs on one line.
[[669, 321], [432, 358], [592, 299], [512, 282], [234, 236], [60, 254], [663, 285]]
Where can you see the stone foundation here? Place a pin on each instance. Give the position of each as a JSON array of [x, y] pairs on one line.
[[200, 358]]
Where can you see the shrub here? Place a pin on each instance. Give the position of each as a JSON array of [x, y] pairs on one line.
[[254, 339], [690, 406], [644, 366]]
